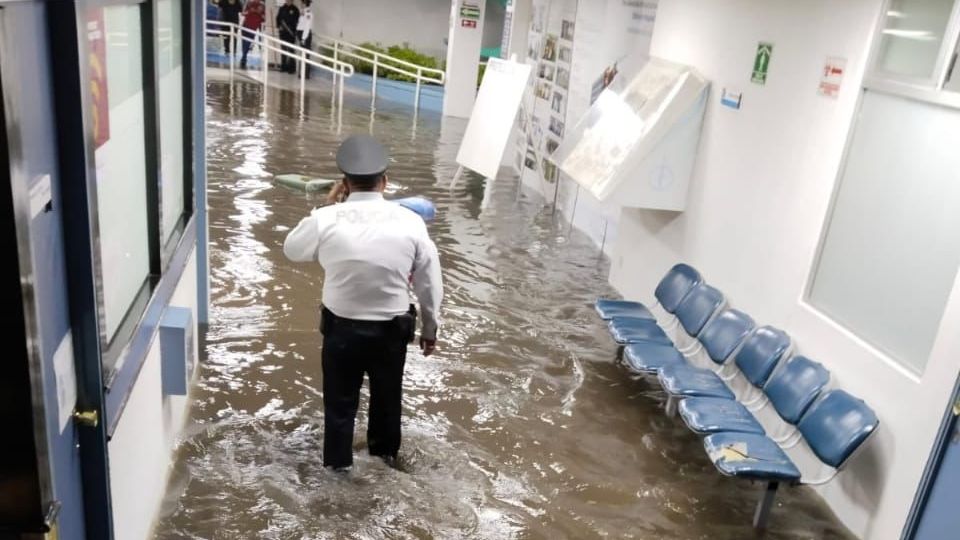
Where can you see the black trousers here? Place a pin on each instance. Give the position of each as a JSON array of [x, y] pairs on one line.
[[287, 63], [350, 350]]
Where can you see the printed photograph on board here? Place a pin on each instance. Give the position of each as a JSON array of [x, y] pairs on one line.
[[567, 30], [556, 126], [563, 78], [552, 145], [547, 71], [603, 82], [557, 104], [566, 54], [550, 171], [543, 90], [530, 161], [550, 48], [533, 49]]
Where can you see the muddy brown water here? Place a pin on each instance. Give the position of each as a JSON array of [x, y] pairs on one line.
[[521, 426]]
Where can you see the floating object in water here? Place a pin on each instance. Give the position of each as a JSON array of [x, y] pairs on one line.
[[305, 183], [422, 207]]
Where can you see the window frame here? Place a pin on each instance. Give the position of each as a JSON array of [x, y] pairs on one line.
[[932, 91], [122, 352]]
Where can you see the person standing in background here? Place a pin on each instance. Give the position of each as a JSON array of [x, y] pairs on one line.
[[288, 17], [230, 13], [213, 14], [305, 32], [253, 15]]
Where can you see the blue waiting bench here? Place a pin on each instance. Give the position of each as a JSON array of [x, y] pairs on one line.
[[669, 293], [834, 428], [834, 424], [646, 347]]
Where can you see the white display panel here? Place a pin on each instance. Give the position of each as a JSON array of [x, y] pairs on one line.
[[492, 119], [655, 116]]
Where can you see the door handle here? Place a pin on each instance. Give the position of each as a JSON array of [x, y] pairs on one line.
[[87, 418]]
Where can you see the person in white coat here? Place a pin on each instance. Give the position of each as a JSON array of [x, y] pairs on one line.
[[372, 251], [305, 31]]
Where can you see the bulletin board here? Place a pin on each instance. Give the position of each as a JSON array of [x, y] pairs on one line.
[[491, 121]]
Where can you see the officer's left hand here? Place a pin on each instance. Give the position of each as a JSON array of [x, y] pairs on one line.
[[428, 346]]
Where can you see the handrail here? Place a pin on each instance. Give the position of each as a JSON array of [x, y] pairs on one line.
[[337, 66], [440, 78], [234, 30]]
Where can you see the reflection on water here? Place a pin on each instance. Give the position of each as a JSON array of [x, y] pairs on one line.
[[520, 427]]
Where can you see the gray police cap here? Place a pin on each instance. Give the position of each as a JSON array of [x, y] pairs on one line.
[[362, 155]]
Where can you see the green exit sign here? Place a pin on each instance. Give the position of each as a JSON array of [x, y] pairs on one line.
[[762, 63]]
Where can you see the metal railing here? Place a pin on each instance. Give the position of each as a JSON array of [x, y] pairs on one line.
[[303, 56], [379, 60]]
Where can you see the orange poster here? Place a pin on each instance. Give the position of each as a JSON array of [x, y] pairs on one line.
[[97, 58]]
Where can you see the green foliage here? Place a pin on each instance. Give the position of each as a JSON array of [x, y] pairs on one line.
[[480, 72], [402, 52]]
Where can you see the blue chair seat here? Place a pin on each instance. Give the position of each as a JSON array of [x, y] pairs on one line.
[[630, 330], [651, 357], [747, 455], [705, 415], [608, 309], [686, 380]]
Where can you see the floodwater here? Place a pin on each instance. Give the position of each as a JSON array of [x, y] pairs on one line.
[[521, 426]]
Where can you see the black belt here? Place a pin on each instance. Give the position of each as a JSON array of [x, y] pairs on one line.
[[406, 323]]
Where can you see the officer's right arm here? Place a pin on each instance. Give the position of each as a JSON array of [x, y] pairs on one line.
[[303, 242]]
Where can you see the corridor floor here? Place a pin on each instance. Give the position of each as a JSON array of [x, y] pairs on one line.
[[521, 426]]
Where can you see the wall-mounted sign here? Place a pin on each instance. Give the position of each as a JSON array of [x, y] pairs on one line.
[[731, 99], [832, 77], [761, 63], [469, 14], [470, 10]]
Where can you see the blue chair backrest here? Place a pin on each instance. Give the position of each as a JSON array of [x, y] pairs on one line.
[[724, 333], [697, 307], [836, 425], [675, 285], [795, 386], [760, 354]]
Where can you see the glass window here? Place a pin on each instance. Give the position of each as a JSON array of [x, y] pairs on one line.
[[171, 118], [891, 251], [116, 89], [912, 37], [953, 81]]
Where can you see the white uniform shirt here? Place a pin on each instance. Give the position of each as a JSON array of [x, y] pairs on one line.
[[370, 249], [305, 23]]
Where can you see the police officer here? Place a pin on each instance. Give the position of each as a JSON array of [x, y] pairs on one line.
[[371, 251]]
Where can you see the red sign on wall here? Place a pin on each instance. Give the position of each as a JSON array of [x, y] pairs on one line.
[[468, 23], [97, 60]]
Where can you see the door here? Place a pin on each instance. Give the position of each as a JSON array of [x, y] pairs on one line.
[[939, 518], [55, 480]]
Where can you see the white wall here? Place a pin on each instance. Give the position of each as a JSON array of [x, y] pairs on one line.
[[421, 23], [759, 196], [141, 449]]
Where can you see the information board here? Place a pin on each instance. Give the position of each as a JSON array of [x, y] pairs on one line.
[[492, 119]]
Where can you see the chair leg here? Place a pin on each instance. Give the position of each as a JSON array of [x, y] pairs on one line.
[[762, 515], [671, 407]]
